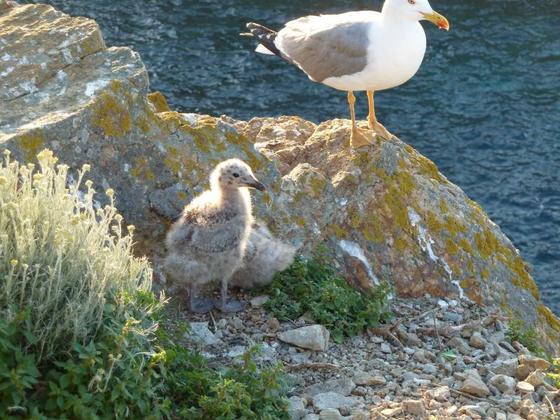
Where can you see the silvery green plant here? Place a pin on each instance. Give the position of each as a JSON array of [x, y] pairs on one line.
[[62, 260]]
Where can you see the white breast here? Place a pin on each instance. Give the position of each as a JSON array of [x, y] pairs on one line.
[[394, 56]]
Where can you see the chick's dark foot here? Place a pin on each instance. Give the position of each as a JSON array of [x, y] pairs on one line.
[[201, 305], [230, 306]]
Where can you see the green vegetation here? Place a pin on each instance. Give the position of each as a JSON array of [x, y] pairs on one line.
[[79, 326], [523, 335], [313, 286], [554, 373]]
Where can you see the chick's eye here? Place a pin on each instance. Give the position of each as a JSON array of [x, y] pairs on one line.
[[411, 2], [235, 175]]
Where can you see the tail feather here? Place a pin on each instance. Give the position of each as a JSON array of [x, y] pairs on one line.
[[265, 36]]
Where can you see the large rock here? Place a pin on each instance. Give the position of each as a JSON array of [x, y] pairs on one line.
[[313, 337], [384, 211]]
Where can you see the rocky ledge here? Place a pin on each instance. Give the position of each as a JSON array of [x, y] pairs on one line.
[[385, 212], [440, 358]]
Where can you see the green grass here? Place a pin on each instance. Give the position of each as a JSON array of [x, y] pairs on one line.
[[554, 373], [314, 286]]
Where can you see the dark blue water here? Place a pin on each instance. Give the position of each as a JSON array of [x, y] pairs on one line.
[[485, 105]]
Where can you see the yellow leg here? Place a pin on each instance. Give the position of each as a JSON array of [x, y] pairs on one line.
[[374, 125], [351, 103], [356, 138]]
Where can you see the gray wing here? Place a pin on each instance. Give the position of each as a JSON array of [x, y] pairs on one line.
[[338, 50]]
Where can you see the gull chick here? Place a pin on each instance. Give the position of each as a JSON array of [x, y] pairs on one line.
[[265, 256], [209, 240], [356, 51]]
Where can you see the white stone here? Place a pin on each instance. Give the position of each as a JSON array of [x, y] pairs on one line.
[[332, 400], [314, 337], [200, 334], [525, 387]]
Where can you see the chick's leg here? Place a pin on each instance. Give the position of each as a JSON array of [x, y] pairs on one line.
[[197, 304], [375, 125], [226, 305]]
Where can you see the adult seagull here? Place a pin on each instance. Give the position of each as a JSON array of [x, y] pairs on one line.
[[356, 51]]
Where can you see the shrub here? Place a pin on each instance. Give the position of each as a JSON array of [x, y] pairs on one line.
[[313, 286], [60, 257], [75, 306]]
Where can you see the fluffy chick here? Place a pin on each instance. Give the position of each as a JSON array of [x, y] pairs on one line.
[[208, 242], [265, 256]]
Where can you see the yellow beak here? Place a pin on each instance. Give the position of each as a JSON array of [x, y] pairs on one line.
[[440, 21]]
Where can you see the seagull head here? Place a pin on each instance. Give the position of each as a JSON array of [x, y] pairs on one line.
[[232, 174], [415, 10]]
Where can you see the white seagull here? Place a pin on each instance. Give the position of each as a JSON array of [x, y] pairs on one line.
[[356, 51]]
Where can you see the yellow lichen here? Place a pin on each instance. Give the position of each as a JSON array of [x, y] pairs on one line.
[[141, 169], [451, 247], [111, 116], [318, 185], [453, 226], [143, 124], [337, 231], [401, 244], [443, 206], [158, 100], [465, 245], [484, 274], [433, 224], [373, 230], [550, 318]]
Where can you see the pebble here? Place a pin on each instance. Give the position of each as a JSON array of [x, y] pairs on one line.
[[477, 341], [505, 384], [332, 400], [342, 386], [330, 414], [296, 408], [536, 378], [314, 337], [414, 407], [385, 348], [199, 333], [525, 387], [273, 324], [474, 385], [363, 378]]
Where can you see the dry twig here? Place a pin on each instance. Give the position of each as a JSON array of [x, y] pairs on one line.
[[302, 366]]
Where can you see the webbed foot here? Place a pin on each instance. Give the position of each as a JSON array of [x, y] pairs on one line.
[[230, 306]]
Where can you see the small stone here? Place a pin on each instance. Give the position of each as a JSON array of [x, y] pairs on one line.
[[296, 408], [259, 301], [368, 379], [505, 367], [474, 385], [330, 414], [441, 393], [391, 412], [460, 345], [414, 407], [501, 416], [477, 341], [424, 356], [273, 324], [311, 416], [221, 324], [536, 378], [236, 323], [314, 337], [525, 387], [505, 384], [199, 333], [332, 400], [385, 348], [343, 386], [534, 362]]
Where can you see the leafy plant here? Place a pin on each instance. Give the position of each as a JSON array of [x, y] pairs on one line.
[[313, 286], [528, 337], [238, 392]]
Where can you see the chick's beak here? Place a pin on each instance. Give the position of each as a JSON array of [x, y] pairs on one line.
[[257, 185], [439, 20]]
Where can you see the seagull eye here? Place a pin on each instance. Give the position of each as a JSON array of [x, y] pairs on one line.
[[411, 1], [235, 175]]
